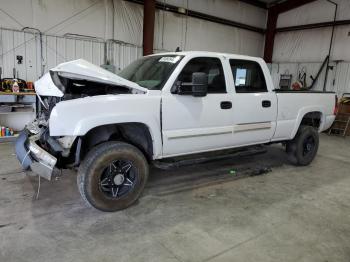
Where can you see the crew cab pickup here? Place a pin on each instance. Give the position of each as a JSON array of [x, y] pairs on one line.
[[112, 126]]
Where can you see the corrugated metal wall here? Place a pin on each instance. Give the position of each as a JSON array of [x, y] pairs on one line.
[[95, 18], [308, 48], [122, 54], [41, 55]]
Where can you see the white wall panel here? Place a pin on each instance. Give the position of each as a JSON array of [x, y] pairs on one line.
[[55, 17], [315, 12], [302, 46], [312, 45], [123, 54], [55, 50], [229, 9], [174, 30], [128, 22]]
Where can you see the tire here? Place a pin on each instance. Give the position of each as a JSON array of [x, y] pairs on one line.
[[303, 148], [106, 171]]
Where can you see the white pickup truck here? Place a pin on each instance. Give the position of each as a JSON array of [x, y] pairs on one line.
[[111, 127]]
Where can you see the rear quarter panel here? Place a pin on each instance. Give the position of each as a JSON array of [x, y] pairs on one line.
[[293, 106]]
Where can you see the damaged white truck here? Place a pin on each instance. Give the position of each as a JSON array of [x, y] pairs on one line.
[[112, 127]]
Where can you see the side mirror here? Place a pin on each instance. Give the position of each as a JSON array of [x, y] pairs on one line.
[[198, 87], [199, 84]]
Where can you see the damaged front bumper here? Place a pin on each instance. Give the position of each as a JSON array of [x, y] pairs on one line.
[[31, 156]]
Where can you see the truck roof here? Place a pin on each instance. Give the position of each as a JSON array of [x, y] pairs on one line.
[[208, 53]]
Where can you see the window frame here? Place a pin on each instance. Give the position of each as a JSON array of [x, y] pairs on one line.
[[260, 70], [225, 89]]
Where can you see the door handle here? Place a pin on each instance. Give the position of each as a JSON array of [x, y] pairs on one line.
[[266, 103], [226, 105]]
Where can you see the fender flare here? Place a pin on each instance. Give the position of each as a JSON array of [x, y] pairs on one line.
[[305, 110], [85, 125]]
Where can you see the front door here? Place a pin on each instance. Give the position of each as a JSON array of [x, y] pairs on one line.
[[194, 124]]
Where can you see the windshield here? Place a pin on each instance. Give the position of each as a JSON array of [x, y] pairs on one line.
[[151, 72]]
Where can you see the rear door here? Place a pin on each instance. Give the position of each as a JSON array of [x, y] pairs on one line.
[[254, 106]]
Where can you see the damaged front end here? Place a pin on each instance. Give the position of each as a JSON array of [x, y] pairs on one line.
[[31, 155], [38, 151], [44, 154]]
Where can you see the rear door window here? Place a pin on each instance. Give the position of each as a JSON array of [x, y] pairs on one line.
[[248, 76]]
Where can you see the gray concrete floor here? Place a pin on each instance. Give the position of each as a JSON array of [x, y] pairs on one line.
[[198, 213]]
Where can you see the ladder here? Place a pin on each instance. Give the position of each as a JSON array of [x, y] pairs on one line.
[[341, 123]]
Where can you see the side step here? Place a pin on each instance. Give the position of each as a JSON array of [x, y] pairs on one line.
[[175, 162]]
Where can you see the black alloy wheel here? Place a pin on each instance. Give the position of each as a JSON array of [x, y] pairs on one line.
[[112, 176], [118, 178]]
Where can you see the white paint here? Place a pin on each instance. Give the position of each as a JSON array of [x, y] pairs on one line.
[[45, 87], [196, 124], [76, 117]]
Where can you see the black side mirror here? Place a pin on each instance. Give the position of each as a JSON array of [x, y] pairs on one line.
[[198, 87], [199, 84]]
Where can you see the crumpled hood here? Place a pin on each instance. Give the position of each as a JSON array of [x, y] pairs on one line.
[[84, 70]]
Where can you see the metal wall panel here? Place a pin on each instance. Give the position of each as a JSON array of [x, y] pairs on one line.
[[122, 54], [55, 50]]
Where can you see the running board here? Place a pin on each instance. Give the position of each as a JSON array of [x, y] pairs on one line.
[[169, 163]]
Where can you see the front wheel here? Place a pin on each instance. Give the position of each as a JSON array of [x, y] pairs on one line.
[[112, 176], [303, 148]]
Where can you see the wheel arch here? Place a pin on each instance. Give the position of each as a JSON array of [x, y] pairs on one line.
[[135, 133], [314, 117]]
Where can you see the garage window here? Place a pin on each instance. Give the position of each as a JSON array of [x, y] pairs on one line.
[[209, 65], [248, 76]]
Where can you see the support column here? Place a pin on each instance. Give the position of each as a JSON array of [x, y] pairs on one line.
[[270, 35], [148, 26]]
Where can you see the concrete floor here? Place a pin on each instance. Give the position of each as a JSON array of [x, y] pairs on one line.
[[201, 213]]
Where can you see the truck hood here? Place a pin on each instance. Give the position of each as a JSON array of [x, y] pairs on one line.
[[50, 85]]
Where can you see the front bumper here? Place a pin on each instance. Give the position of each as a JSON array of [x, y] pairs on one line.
[[33, 157]]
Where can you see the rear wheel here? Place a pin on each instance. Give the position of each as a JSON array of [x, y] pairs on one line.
[[303, 148], [112, 176]]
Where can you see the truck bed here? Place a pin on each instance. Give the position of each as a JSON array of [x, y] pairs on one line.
[[292, 106]]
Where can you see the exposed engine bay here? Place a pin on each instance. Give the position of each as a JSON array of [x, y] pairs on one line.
[[78, 79], [74, 89]]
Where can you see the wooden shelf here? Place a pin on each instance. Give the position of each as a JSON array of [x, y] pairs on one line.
[[4, 139], [19, 93], [23, 112]]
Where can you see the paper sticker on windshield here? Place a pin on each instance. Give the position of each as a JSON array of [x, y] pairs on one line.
[[169, 59]]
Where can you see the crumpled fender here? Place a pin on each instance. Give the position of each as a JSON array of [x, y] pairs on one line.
[[76, 117]]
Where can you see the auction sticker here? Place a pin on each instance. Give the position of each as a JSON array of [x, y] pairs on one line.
[[169, 59]]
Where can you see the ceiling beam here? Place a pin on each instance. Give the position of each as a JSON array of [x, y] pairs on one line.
[[289, 5], [256, 3], [313, 26]]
